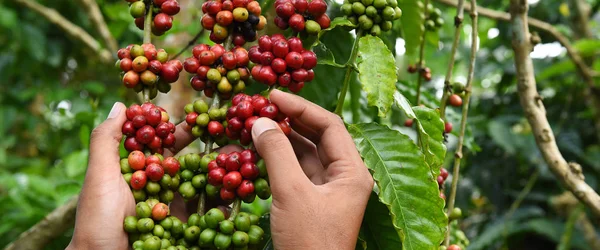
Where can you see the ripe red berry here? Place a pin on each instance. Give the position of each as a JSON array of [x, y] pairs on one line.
[[247, 156], [162, 130], [212, 165], [191, 65], [224, 18], [254, 8], [215, 176], [267, 75], [454, 247], [123, 53], [455, 100], [285, 127], [259, 102], [155, 172], [285, 10], [145, 134], [227, 5], [163, 22], [244, 109], [214, 7], [310, 75], [281, 48], [155, 66], [138, 180], [408, 123], [295, 86], [136, 160], [317, 7], [153, 117], [266, 58], [241, 55], [152, 159], [300, 5], [444, 173], [295, 44], [264, 43], [448, 127], [128, 129], [207, 21], [294, 60], [270, 111], [232, 180], [125, 64], [169, 73], [245, 137], [215, 128], [245, 189], [249, 171], [169, 141], [160, 211], [218, 49], [156, 143], [131, 79], [310, 59], [233, 162], [133, 111], [221, 159], [440, 181], [250, 122], [281, 23], [171, 166], [299, 75], [229, 61], [324, 21], [132, 144], [284, 79], [296, 22], [170, 7], [227, 195], [207, 57]]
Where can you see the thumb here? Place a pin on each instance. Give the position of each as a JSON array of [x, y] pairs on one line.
[[105, 140], [285, 173]]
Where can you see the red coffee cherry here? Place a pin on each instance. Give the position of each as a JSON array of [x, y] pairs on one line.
[[455, 100]]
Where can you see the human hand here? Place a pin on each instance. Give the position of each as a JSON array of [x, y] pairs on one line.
[[319, 183], [105, 198]]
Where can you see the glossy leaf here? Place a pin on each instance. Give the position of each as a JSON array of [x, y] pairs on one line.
[[377, 227], [412, 24], [406, 185], [431, 132], [377, 73]]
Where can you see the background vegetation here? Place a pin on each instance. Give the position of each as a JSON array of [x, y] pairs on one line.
[[55, 90]]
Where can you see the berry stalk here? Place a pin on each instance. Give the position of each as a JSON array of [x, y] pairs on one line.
[[202, 203], [421, 55], [148, 23], [349, 68], [458, 19], [235, 208], [463, 123]]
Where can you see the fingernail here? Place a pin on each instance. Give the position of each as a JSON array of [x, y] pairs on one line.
[[262, 125], [115, 111]]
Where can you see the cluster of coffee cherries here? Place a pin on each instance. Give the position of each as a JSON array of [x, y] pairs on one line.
[[207, 121], [240, 17], [162, 13], [302, 16], [434, 18], [193, 174], [145, 67], [245, 110], [217, 70], [424, 72], [372, 16], [152, 227], [282, 62], [148, 126], [151, 176], [238, 174], [218, 230]]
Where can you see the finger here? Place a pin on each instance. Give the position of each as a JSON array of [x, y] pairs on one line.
[[305, 131], [104, 145], [307, 155], [335, 144], [285, 172]]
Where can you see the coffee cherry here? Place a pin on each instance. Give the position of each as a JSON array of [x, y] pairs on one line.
[[138, 180], [136, 160], [447, 127], [408, 123], [170, 7], [296, 22], [444, 173], [454, 247], [154, 172], [163, 22], [455, 100]]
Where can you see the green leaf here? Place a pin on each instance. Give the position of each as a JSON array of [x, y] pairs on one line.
[[587, 47], [265, 224], [337, 22], [430, 128], [325, 56], [377, 73], [377, 227], [412, 20], [556, 69], [431, 132], [406, 185]]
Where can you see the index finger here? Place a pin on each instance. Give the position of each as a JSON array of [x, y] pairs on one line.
[[334, 140]]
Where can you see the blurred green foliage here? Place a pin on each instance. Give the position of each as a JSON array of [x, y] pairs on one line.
[[54, 92]]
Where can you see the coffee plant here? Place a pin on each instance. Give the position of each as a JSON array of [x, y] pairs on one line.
[[399, 99]]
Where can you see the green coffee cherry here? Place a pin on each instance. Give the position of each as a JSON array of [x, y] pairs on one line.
[[181, 160], [367, 2], [207, 237], [192, 161], [214, 114], [347, 9], [165, 182], [240, 239], [213, 217], [189, 108], [194, 220], [222, 241], [254, 219], [145, 236], [130, 224], [143, 210], [152, 188], [226, 227], [213, 75], [200, 106], [192, 233], [145, 225], [125, 168], [187, 175], [242, 222], [430, 25], [206, 159], [175, 182], [167, 223], [177, 228], [358, 8], [137, 9], [262, 189], [138, 244], [255, 235], [388, 13], [202, 222], [139, 195], [375, 30], [455, 214], [399, 13], [212, 191], [365, 22], [127, 178], [164, 243], [262, 168], [380, 4], [371, 11], [187, 190], [158, 231]]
